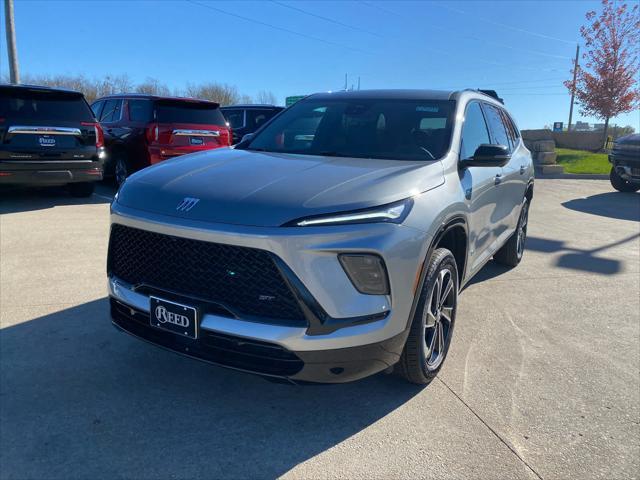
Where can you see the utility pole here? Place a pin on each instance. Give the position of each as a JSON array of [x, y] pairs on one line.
[[345, 82], [14, 72], [358, 83], [573, 87]]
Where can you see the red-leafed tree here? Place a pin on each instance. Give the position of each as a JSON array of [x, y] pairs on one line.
[[606, 85]]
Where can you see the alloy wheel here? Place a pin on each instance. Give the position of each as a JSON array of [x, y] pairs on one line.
[[438, 318], [121, 171], [522, 230]]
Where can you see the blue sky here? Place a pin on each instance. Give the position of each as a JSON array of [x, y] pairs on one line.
[[522, 49]]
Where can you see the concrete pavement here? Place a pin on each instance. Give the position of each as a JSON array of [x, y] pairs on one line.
[[542, 380]]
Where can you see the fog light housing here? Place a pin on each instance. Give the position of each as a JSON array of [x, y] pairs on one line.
[[367, 272]]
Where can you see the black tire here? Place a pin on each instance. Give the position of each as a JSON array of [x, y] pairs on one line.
[[511, 252], [620, 183], [84, 189], [121, 169], [421, 362]]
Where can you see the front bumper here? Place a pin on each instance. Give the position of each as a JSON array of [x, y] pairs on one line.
[[310, 254], [264, 358], [49, 172], [626, 165], [358, 335]]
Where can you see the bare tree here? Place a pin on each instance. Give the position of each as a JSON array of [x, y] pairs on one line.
[[216, 92], [153, 86], [113, 84], [266, 96], [91, 89]]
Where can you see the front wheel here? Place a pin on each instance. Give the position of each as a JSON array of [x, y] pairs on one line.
[[433, 321], [620, 183]]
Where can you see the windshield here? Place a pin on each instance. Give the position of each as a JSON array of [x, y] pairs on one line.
[[364, 128]]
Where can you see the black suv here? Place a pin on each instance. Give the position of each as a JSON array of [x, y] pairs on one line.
[[625, 163], [49, 137], [244, 119]]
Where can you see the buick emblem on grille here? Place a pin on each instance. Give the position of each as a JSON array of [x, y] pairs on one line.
[[187, 204]]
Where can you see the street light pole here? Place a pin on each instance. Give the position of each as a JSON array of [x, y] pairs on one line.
[[14, 72], [573, 87]]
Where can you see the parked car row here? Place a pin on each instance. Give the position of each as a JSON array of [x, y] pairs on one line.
[[51, 136]]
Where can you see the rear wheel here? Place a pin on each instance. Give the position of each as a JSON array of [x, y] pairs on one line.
[[433, 321], [121, 170], [620, 183], [511, 252], [84, 189]]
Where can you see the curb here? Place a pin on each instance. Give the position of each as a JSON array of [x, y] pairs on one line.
[[573, 176]]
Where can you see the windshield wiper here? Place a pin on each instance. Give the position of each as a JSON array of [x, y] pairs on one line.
[[430, 154]]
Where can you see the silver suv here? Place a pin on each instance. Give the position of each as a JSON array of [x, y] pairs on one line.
[[330, 245]]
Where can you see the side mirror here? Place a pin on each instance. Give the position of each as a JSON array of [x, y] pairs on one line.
[[488, 156], [247, 137]]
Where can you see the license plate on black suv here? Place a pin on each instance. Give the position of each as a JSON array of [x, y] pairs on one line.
[[174, 317]]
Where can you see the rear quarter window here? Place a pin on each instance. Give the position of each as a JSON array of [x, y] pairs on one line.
[[43, 106], [140, 110]]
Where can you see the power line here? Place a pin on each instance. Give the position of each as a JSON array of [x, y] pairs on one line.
[[275, 27], [504, 25], [530, 86], [326, 19], [529, 81], [528, 94], [472, 37]]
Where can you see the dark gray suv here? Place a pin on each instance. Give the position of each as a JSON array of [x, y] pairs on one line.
[[331, 245]]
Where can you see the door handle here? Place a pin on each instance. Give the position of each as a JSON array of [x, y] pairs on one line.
[[498, 179], [523, 168]]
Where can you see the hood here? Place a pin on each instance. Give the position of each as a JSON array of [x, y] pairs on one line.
[[269, 189], [633, 139]]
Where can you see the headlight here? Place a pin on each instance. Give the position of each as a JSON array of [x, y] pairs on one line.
[[390, 213]]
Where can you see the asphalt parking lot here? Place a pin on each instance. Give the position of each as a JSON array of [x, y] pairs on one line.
[[542, 380]]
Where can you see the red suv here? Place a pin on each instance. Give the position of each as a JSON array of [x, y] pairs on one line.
[[141, 130]]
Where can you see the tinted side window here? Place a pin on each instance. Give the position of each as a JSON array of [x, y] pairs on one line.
[[235, 118], [96, 107], [474, 131], [255, 118], [498, 130], [140, 110], [111, 111], [511, 131]]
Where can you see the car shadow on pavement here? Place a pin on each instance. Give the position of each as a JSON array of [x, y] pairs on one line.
[[490, 270], [83, 400], [23, 199], [580, 259], [622, 206]]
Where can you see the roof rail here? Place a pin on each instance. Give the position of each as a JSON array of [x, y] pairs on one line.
[[491, 93]]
